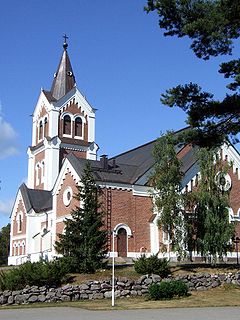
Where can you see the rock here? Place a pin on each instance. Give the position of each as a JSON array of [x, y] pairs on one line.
[[137, 287], [106, 286], [133, 293], [95, 287], [148, 281], [121, 284], [33, 298], [83, 287], [10, 300], [7, 293], [83, 296], [65, 297], [143, 278], [41, 298], [144, 291], [156, 278], [15, 293], [201, 288], [97, 295], [76, 297], [117, 293], [3, 299], [125, 292], [20, 298], [66, 287], [108, 294]]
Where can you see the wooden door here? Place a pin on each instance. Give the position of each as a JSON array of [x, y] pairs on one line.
[[122, 242]]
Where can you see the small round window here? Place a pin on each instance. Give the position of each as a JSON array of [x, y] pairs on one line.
[[67, 196]]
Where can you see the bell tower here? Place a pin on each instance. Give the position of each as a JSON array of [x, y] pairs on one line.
[[63, 123]]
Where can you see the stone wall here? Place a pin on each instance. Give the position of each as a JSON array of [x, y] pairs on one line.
[[103, 289]]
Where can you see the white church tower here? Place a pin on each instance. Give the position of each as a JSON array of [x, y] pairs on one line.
[[63, 122]]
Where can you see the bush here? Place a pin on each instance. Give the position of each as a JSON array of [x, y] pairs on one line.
[[37, 273], [167, 290], [151, 265], [180, 288]]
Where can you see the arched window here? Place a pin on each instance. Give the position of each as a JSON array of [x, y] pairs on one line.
[[40, 136], [23, 247], [78, 127], [38, 174], [45, 127], [67, 125], [43, 171], [19, 223]]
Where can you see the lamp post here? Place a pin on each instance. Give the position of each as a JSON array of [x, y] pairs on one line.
[[236, 240], [113, 268]]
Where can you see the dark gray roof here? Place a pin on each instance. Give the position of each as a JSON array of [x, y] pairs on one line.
[[130, 166], [64, 79], [49, 96], [38, 200]]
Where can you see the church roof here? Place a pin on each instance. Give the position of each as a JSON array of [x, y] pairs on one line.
[[64, 79], [130, 166], [38, 200]]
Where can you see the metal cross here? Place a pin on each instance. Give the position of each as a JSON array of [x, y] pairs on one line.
[[65, 38]]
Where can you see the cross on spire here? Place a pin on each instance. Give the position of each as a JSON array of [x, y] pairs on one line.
[[65, 45]]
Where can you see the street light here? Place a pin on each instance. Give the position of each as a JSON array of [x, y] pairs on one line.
[[236, 240], [113, 269]]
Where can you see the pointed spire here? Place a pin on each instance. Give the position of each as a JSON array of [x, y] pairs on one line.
[[64, 79]]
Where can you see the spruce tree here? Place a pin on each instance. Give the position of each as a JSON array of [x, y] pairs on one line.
[[166, 180], [83, 244], [4, 244]]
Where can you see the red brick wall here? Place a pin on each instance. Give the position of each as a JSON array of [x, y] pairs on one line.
[[63, 210], [65, 152], [38, 159], [21, 250], [134, 211], [42, 114], [74, 109], [20, 208]]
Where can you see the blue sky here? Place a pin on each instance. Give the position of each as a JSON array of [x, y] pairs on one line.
[[121, 63]]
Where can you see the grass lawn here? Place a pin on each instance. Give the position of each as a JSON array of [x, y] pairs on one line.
[[130, 273]]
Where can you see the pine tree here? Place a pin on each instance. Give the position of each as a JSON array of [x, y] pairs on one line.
[[168, 199], [83, 243], [213, 230], [212, 27]]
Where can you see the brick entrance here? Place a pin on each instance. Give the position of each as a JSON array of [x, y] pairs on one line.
[[122, 242]]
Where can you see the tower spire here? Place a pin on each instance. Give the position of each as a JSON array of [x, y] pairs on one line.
[[65, 44], [64, 79]]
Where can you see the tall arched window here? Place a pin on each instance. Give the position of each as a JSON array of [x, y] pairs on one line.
[[45, 127], [43, 171], [78, 127], [67, 125], [19, 222], [40, 136]]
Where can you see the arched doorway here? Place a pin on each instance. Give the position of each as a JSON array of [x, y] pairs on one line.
[[122, 242]]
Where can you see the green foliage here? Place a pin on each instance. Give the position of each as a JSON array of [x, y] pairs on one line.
[[152, 265], [212, 26], [166, 180], [167, 290], [4, 244], [210, 202], [37, 273], [83, 244]]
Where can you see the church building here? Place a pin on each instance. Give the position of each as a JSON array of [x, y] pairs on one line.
[[63, 139]]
